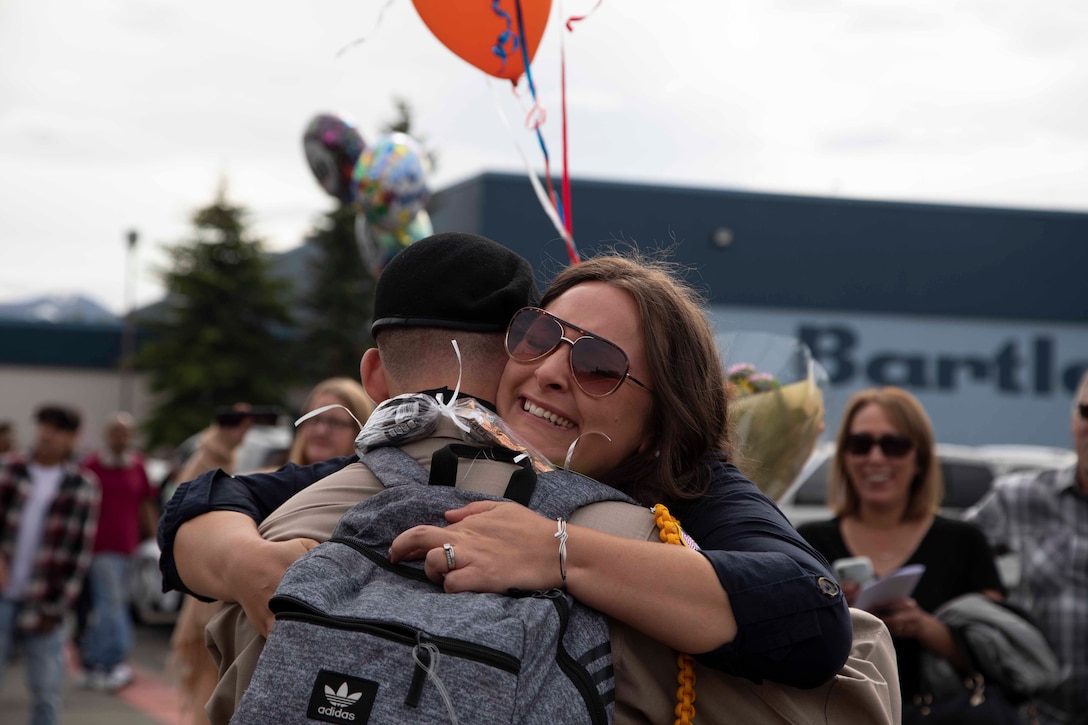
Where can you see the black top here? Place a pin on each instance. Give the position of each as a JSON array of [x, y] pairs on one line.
[[957, 559]]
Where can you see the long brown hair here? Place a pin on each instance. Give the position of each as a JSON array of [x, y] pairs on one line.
[[688, 415], [906, 414]]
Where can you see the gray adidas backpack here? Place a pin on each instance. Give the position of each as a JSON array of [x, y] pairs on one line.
[[360, 640]]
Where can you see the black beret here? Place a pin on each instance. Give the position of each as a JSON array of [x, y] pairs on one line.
[[453, 281]]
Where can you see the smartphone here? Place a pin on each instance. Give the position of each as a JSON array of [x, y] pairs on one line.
[[229, 417], [854, 569]]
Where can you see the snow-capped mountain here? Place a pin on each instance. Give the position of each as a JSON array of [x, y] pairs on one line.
[[58, 308]]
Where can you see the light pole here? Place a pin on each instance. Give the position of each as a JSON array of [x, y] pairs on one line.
[[128, 324]]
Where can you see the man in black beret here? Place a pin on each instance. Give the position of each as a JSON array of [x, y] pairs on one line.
[[446, 287], [451, 286]]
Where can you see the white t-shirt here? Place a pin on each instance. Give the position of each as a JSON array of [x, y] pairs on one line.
[[45, 482]]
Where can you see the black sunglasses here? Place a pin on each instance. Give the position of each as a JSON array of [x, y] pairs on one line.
[[1083, 408], [598, 366], [892, 446]]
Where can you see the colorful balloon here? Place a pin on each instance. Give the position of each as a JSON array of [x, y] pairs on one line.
[[485, 33], [332, 147], [390, 182], [378, 246]]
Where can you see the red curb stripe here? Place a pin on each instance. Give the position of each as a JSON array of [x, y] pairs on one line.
[[152, 696], [147, 692]]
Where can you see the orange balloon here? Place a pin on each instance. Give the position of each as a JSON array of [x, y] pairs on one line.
[[472, 29]]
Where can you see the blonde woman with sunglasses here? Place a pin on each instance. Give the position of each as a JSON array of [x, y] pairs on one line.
[[885, 488]]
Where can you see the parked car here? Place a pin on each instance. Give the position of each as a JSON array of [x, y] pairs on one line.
[[149, 603]]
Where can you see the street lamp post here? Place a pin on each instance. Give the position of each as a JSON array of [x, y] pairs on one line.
[[128, 324]]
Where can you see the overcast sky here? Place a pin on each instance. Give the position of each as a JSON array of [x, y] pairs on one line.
[[120, 114]]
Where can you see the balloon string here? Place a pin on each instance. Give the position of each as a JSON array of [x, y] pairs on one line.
[[568, 237], [360, 41], [505, 36], [579, 18], [567, 219], [537, 115], [541, 195]]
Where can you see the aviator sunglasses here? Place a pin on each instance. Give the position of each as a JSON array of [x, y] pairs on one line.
[[599, 367], [892, 446], [1083, 407]]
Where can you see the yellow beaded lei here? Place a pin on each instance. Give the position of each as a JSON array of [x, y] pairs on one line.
[[669, 528]]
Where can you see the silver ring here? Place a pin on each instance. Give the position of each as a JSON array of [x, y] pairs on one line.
[[451, 560]]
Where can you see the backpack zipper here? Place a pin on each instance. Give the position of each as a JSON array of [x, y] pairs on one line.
[[577, 674], [292, 608], [419, 677], [382, 560]]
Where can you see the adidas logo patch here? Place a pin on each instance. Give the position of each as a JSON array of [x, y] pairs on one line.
[[340, 698]]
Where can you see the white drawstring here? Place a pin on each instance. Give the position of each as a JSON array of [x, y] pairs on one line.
[[432, 674], [570, 450], [448, 409], [321, 410]]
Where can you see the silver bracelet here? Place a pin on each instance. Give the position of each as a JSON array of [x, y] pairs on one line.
[[561, 534]]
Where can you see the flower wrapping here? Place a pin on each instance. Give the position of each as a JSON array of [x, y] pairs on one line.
[[775, 418]]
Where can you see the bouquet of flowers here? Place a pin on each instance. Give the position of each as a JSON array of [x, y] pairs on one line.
[[776, 407]]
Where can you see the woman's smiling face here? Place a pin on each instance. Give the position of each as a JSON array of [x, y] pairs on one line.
[[880, 480], [541, 401]]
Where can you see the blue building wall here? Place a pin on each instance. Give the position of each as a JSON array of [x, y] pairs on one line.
[[806, 252], [49, 344]]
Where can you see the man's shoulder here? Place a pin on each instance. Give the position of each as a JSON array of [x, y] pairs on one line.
[[314, 511], [12, 466], [79, 476], [1043, 483]]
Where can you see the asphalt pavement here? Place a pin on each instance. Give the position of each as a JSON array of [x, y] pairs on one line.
[[151, 699]]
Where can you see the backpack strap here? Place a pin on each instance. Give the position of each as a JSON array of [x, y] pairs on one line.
[[561, 493], [522, 482], [394, 467]]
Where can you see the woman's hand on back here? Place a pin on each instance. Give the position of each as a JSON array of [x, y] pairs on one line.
[[497, 545]]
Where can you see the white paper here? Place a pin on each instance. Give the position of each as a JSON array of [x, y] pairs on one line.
[[896, 585]]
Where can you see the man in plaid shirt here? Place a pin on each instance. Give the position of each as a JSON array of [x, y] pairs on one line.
[[1043, 517], [48, 518]]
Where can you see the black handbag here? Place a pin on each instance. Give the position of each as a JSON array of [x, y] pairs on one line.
[[978, 702]]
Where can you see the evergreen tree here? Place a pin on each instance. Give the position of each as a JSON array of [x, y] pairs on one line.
[[226, 334], [338, 302]]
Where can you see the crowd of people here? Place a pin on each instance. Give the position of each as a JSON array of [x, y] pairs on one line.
[[612, 373]]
